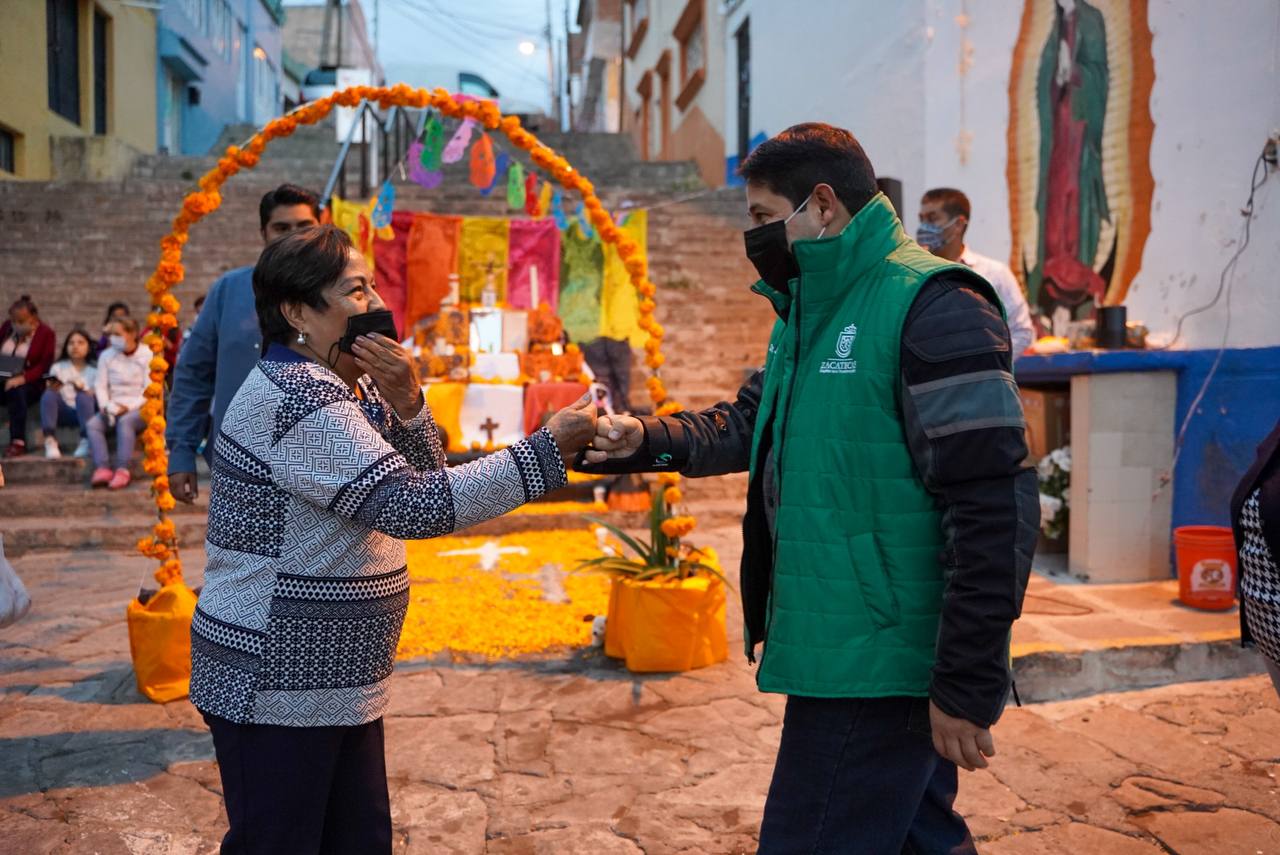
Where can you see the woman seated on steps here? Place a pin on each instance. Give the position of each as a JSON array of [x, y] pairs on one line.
[[68, 397], [122, 376]]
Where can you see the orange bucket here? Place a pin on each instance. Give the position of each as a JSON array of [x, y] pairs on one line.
[[1206, 566]]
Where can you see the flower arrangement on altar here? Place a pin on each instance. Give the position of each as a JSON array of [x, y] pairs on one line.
[[1054, 474], [162, 544]]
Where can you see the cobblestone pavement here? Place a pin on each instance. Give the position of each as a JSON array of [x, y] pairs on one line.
[[580, 757]]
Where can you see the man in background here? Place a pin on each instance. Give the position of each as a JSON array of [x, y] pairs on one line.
[[224, 344], [944, 219]]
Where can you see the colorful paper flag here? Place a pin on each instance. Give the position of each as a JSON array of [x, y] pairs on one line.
[[499, 173], [457, 146], [515, 186], [531, 194], [386, 203], [483, 168]]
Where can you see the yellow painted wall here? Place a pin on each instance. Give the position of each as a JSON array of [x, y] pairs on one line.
[[24, 83]]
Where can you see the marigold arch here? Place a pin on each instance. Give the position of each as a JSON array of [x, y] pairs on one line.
[[162, 543]]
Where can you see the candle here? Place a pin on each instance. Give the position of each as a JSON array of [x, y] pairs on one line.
[[533, 286]]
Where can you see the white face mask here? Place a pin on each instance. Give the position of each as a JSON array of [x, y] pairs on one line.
[[116, 341]]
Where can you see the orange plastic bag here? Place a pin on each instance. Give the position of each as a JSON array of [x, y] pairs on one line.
[[160, 642], [675, 625]]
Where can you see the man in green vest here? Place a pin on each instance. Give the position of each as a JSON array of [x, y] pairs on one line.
[[890, 520]]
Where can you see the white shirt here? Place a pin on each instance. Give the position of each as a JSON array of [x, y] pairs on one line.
[[72, 380], [122, 378], [1010, 293]]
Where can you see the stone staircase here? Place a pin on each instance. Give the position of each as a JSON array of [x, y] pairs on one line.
[[76, 246]]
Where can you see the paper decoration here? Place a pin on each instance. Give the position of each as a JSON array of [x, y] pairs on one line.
[[515, 331], [392, 270], [418, 173], [432, 143], [581, 279], [557, 209], [483, 168], [531, 194], [431, 254], [619, 304], [544, 199], [499, 173], [357, 221], [457, 146], [515, 186], [534, 244], [385, 205], [482, 253]]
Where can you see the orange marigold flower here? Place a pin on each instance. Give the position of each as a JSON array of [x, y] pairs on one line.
[[655, 360], [668, 409], [668, 479], [672, 496], [160, 484], [169, 272], [169, 303], [166, 502]]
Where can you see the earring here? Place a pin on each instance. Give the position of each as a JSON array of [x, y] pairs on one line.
[[302, 337]]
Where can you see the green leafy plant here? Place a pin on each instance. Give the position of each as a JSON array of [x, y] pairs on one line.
[[664, 556]]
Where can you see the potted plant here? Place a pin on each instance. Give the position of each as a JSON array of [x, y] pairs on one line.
[[667, 601]]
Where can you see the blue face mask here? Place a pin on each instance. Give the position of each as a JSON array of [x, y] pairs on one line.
[[931, 235]]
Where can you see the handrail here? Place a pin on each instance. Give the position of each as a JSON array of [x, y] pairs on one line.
[[392, 146]]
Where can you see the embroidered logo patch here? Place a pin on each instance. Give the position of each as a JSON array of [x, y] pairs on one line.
[[842, 364]]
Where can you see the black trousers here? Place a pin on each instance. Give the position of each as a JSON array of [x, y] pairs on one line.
[[860, 775], [303, 790], [610, 360], [18, 401]]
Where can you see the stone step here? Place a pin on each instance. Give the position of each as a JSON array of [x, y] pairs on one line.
[[35, 468], [72, 501], [101, 532]]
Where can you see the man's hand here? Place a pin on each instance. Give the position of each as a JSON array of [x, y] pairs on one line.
[[616, 436], [960, 740], [393, 369], [183, 486]]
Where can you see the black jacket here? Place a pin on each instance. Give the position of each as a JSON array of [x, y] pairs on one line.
[[1265, 474], [990, 498]]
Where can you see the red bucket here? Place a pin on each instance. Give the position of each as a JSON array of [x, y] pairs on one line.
[[1206, 566]]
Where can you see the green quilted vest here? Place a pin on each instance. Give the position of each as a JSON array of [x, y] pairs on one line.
[[857, 582]]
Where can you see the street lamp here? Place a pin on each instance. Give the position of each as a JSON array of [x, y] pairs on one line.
[[527, 47]]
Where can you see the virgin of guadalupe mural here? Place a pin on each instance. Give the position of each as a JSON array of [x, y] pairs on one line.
[[1079, 139]]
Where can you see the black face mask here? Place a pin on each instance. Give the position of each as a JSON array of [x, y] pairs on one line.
[[379, 321], [767, 249]]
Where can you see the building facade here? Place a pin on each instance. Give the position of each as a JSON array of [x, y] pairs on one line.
[[76, 94], [596, 59], [350, 45], [673, 82], [220, 62]]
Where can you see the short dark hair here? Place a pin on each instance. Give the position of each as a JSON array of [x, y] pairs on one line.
[[111, 309], [804, 156], [953, 202], [287, 194], [92, 355], [26, 304], [296, 269]]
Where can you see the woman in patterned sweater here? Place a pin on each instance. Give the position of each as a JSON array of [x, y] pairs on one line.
[[1255, 519], [327, 458]]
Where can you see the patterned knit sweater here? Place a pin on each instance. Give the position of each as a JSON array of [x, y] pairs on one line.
[[313, 491]]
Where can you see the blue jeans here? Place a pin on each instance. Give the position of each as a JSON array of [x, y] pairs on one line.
[[54, 412], [127, 426], [860, 775]]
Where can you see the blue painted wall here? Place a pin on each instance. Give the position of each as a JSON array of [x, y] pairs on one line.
[[1240, 407], [188, 50], [731, 176]]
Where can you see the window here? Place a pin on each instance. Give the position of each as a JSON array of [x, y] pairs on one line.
[[62, 21], [220, 20], [645, 91], [101, 28], [241, 49], [637, 24], [691, 33], [266, 88], [197, 13], [8, 152]]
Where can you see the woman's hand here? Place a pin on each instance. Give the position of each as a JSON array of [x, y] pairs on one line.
[[393, 369], [574, 427], [14, 382]]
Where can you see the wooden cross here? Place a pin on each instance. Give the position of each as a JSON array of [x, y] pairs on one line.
[[489, 427]]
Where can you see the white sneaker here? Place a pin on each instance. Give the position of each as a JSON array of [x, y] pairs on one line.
[[82, 450], [51, 449]]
